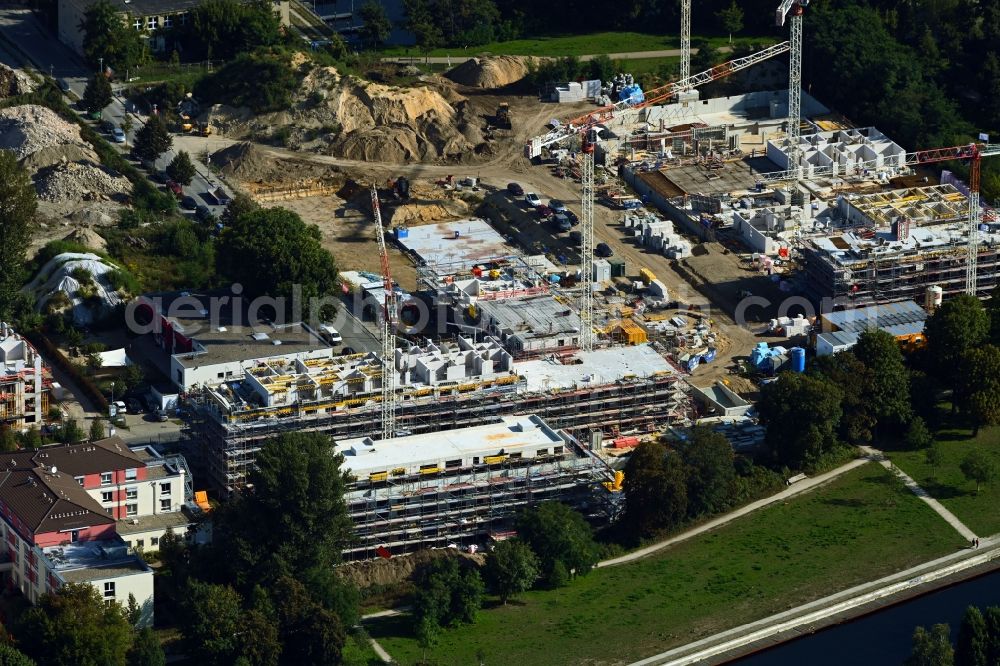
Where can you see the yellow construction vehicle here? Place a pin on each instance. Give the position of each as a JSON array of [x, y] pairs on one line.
[[204, 129], [503, 116]]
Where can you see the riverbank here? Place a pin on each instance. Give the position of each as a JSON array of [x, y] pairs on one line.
[[835, 609]]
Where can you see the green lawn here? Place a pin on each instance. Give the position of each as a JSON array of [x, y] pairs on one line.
[[358, 652], [947, 484], [860, 527], [598, 42]]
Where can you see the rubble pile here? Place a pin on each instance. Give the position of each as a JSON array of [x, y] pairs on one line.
[[491, 71], [14, 82], [80, 182]]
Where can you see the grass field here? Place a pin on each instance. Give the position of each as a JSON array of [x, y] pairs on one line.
[[598, 42], [358, 652], [860, 527], [947, 484]]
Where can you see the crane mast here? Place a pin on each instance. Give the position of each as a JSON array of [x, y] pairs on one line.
[[587, 242], [388, 329], [972, 260], [685, 39], [793, 9]]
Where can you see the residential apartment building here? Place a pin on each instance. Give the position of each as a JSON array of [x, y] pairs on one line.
[[77, 513], [24, 388]]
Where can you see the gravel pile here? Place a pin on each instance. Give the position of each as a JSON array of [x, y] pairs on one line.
[[76, 182], [40, 138]]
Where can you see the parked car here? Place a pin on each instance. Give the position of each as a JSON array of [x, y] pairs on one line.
[[188, 203], [108, 127], [532, 200], [176, 188], [330, 334], [543, 211], [161, 415], [603, 250], [561, 222], [575, 238], [203, 213], [514, 189], [573, 219], [118, 135], [557, 206], [63, 85], [134, 406]]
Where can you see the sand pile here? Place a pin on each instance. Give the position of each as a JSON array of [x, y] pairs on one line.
[[414, 214], [87, 238], [253, 167], [491, 71], [40, 138], [80, 182], [15, 82], [384, 124]]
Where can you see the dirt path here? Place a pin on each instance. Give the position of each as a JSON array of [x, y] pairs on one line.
[[627, 55]]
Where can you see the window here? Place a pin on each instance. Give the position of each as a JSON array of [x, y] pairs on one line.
[[74, 536], [515, 456], [109, 590], [541, 452], [165, 504], [220, 375], [155, 541], [131, 493], [105, 478], [165, 488], [168, 21], [78, 479], [140, 543], [557, 450], [184, 18], [452, 464], [107, 496], [131, 474], [131, 509], [475, 461], [151, 23], [137, 24]]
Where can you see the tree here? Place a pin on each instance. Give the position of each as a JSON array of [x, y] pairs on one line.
[[655, 488], [511, 568], [979, 386], [706, 57], [731, 18], [127, 125], [558, 534], [211, 622], [802, 414], [226, 28], [261, 81], [931, 648], [448, 593], [855, 381], [992, 619], [71, 432], [375, 26], [602, 67], [98, 430], [421, 21], [18, 203], [146, 649], [271, 251], [97, 95], [917, 436], [977, 467], [960, 324], [934, 456], [109, 40], [295, 520], [8, 440], [309, 633], [74, 627], [889, 390], [970, 647], [152, 140], [240, 205], [181, 169], [710, 472], [10, 656]]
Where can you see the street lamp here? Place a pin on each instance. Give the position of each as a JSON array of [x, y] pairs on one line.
[[100, 68]]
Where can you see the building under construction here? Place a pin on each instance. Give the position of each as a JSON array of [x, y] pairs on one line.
[[461, 486], [24, 389], [441, 386], [893, 245]]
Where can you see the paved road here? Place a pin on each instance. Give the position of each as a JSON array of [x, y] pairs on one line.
[[627, 55], [794, 489], [949, 517], [50, 56]]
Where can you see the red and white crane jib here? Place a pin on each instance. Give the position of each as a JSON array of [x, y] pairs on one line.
[[602, 115]]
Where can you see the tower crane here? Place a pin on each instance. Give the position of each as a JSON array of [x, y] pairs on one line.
[[586, 126], [388, 329], [974, 152], [793, 9], [685, 39]]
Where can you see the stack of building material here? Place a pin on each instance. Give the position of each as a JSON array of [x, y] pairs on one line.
[[657, 234], [571, 92], [791, 327], [744, 435]]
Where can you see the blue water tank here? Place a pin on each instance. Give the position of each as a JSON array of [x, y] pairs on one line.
[[402, 232], [798, 359]]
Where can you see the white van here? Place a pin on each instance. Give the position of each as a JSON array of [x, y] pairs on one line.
[[330, 334]]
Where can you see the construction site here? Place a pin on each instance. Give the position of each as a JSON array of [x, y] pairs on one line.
[[25, 384], [458, 486]]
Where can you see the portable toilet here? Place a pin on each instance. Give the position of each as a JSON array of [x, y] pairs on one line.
[[798, 359]]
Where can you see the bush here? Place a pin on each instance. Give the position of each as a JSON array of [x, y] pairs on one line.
[[263, 82]]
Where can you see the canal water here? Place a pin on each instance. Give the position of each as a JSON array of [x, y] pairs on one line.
[[882, 638]]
